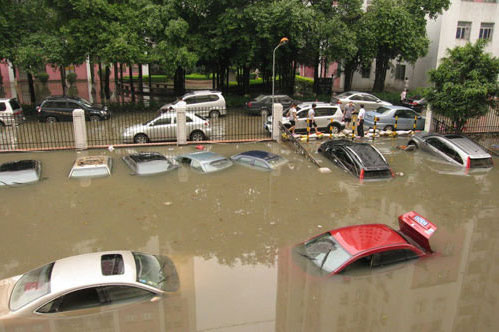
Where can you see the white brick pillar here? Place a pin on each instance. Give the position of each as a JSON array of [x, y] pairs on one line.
[[181, 129], [427, 123], [80, 129], [276, 118]]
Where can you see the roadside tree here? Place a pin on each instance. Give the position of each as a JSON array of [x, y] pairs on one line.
[[464, 84]]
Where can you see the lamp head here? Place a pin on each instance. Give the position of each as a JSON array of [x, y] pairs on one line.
[[283, 41]]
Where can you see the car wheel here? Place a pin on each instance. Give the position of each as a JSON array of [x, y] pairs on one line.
[[94, 118], [197, 136], [214, 114], [389, 128], [264, 110], [411, 142], [141, 138], [334, 128], [51, 119]]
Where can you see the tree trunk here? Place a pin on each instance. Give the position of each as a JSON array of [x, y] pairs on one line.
[[107, 89], [63, 80], [381, 68], [121, 75], [101, 87], [293, 79], [150, 78], [115, 68], [246, 79], [132, 90], [31, 89], [213, 80], [141, 83], [349, 71], [92, 73], [316, 75], [179, 82]]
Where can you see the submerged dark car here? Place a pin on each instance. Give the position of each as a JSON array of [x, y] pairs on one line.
[[360, 159], [454, 149], [259, 159], [60, 108], [264, 102], [20, 172]]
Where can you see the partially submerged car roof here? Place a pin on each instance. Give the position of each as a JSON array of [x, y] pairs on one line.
[[148, 163], [20, 172], [369, 157], [91, 166], [259, 154], [467, 145]]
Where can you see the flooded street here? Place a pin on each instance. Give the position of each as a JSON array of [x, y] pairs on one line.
[[230, 233]]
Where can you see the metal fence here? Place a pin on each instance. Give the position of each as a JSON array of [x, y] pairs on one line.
[[489, 123], [32, 134]]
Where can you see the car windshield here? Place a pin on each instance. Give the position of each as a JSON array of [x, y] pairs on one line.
[[156, 271], [31, 286], [260, 97], [382, 110], [326, 253], [218, 165]]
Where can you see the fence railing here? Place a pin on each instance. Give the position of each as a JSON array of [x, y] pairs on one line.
[[128, 127], [489, 123]]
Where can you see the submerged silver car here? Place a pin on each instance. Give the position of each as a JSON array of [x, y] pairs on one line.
[[205, 161], [455, 149], [164, 128], [20, 172], [369, 101], [149, 163], [87, 281]]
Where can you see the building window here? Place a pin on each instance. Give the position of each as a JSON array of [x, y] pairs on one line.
[[365, 71], [486, 30], [400, 72], [463, 30]]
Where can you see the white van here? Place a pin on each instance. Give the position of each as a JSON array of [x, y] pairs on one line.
[[11, 113]]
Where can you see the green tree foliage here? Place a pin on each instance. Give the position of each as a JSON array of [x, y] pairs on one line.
[[399, 28], [465, 84]]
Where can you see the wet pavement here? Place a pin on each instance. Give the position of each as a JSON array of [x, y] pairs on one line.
[[230, 233]]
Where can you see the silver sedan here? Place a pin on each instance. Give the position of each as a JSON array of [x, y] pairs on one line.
[[387, 115], [87, 281]]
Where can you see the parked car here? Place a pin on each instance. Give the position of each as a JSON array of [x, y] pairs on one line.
[[91, 166], [386, 118], [87, 281], [60, 108], [164, 128], [366, 246], [416, 103], [259, 159], [369, 101], [205, 161], [149, 163], [207, 103], [455, 149], [20, 172], [359, 159], [11, 113], [264, 103], [328, 117]]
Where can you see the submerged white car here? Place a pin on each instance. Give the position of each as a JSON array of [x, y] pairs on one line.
[[91, 166], [87, 281]]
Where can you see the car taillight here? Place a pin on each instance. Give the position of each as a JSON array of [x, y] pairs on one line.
[[468, 162], [38, 109], [393, 174], [249, 104], [206, 123], [361, 176], [338, 102]]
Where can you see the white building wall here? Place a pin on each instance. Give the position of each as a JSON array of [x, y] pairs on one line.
[[442, 35]]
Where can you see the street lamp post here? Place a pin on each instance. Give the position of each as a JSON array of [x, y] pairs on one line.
[[283, 41]]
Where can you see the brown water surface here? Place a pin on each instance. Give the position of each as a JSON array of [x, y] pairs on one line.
[[229, 235]]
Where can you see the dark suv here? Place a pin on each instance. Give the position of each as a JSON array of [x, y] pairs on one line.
[[60, 108]]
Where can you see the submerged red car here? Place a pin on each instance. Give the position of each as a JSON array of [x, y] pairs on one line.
[[370, 245]]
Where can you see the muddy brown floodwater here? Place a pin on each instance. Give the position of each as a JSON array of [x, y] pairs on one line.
[[229, 235]]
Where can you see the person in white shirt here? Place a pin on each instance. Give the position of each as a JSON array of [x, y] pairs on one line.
[[292, 117], [311, 119], [360, 121]]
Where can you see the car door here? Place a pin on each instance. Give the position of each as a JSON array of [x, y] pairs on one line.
[[357, 100], [163, 128], [70, 107], [94, 297], [405, 119], [301, 122], [323, 116], [370, 102]]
